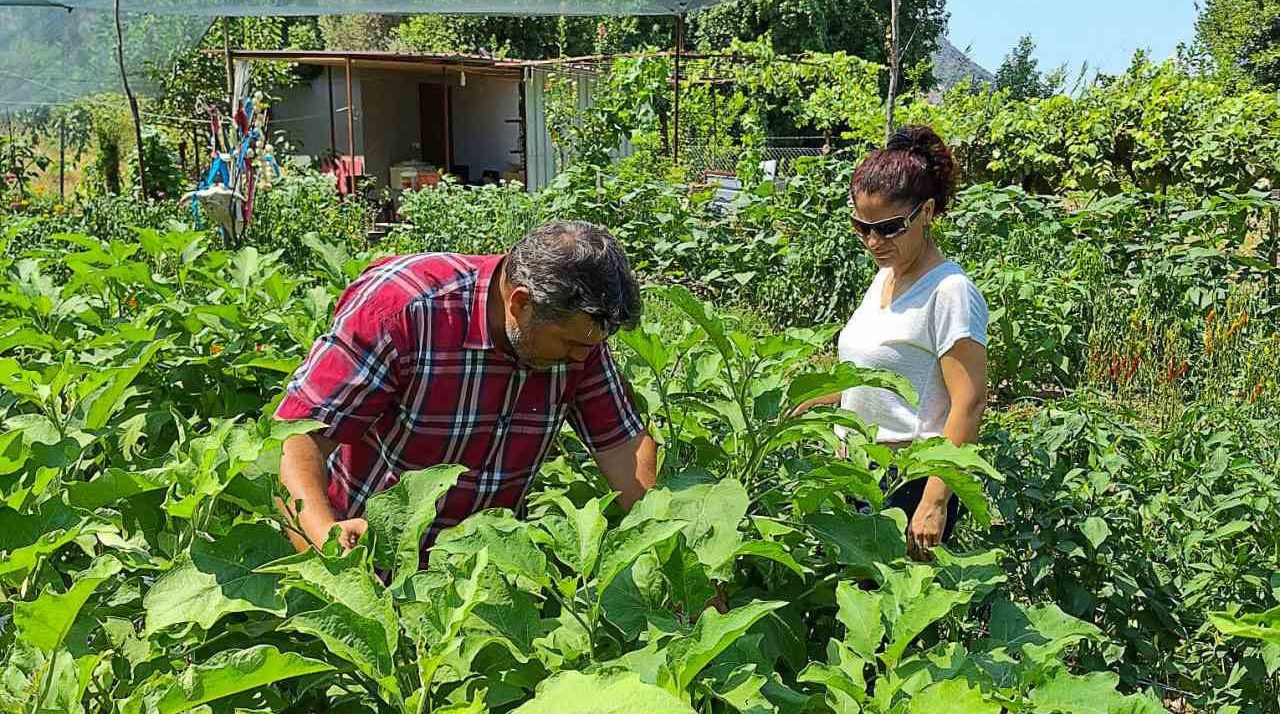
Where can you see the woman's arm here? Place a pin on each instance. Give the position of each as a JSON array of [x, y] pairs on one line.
[[964, 371], [816, 402]]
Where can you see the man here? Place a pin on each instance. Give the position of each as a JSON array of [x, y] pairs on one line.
[[474, 360]]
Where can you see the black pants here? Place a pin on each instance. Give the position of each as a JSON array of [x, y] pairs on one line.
[[908, 498]]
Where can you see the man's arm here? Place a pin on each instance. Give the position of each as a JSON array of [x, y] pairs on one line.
[[302, 471], [631, 467]]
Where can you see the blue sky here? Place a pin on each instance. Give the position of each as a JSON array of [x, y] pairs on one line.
[[1103, 32]]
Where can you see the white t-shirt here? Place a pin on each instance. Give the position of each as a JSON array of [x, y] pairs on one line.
[[908, 338]]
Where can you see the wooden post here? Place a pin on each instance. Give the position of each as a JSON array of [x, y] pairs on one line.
[[351, 127], [231, 72], [333, 126], [62, 159], [894, 58], [133, 106], [675, 139]]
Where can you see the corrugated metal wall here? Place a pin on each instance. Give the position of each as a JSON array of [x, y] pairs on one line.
[[540, 156]]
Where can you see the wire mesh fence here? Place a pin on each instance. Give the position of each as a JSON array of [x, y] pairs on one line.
[[779, 153]]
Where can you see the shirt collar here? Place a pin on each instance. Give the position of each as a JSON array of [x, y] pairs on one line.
[[479, 336]]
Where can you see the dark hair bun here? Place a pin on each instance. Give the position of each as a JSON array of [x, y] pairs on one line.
[[914, 166]]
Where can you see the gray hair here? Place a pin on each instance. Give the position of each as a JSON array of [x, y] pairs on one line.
[[576, 266]]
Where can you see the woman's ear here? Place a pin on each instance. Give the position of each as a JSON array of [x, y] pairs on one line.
[[928, 210]]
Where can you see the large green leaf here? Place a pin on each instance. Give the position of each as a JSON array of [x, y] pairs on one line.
[[687, 656], [1066, 693], [622, 693], [353, 637], [861, 541], [1264, 626], [712, 512], [846, 376], [345, 580], [111, 487], [217, 578], [587, 526], [954, 697], [649, 346], [622, 547], [859, 612], [400, 516], [110, 399], [45, 621], [710, 323], [960, 467], [507, 539], [226, 673]]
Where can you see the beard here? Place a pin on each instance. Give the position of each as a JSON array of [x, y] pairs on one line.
[[522, 347]]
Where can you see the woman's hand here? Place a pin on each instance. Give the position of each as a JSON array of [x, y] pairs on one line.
[[926, 528], [808, 404]]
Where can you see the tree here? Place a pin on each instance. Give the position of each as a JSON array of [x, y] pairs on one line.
[[859, 27], [1240, 40], [1019, 72], [356, 32]]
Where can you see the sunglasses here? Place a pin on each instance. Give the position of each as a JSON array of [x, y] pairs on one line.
[[889, 228]]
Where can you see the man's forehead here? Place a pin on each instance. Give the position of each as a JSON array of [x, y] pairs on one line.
[[582, 328]]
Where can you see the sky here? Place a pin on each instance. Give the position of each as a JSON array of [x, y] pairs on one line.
[[1103, 32]]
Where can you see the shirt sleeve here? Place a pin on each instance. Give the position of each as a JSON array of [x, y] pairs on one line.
[[959, 311], [350, 377], [602, 412]]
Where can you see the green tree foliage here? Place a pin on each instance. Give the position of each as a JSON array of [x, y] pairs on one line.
[[1019, 73], [531, 37], [1241, 39], [857, 27], [356, 32]]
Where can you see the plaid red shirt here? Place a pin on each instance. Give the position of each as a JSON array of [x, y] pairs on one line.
[[409, 365]]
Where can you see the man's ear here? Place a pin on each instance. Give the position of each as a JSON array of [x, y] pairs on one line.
[[520, 303]]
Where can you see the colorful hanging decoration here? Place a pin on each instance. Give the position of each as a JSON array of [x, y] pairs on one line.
[[240, 160]]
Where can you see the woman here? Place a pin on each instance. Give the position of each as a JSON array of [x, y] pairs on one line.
[[922, 318]]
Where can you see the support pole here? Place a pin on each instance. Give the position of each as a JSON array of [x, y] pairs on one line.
[[133, 106], [895, 59], [333, 122], [231, 72], [675, 142], [62, 158], [351, 127]]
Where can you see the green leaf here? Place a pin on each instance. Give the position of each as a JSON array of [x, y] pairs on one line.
[[1095, 530], [344, 579], [712, 513], [217, 578], [953, 696], [622, 547], [399, 517], [774, 551], [508, 541], [687, 656], [224, 674], [960, 467], [711, 324], [13, 452], [45, 621], [649, 346], [622, 693], [859, 612], [353, 637], [1264, 626], [112, 486], [847, 376], [1066, 693], [917, 614], [111, 398], [587, 525], [861, 541]]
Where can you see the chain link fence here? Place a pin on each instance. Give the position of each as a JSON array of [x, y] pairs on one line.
[[700, 157]]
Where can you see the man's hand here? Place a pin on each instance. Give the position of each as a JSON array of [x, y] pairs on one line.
[[352, 530], [630, 468]]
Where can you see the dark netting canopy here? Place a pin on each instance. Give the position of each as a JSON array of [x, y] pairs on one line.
[[54, 52]]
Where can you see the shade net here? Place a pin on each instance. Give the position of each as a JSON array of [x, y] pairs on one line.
[[55, 52]]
